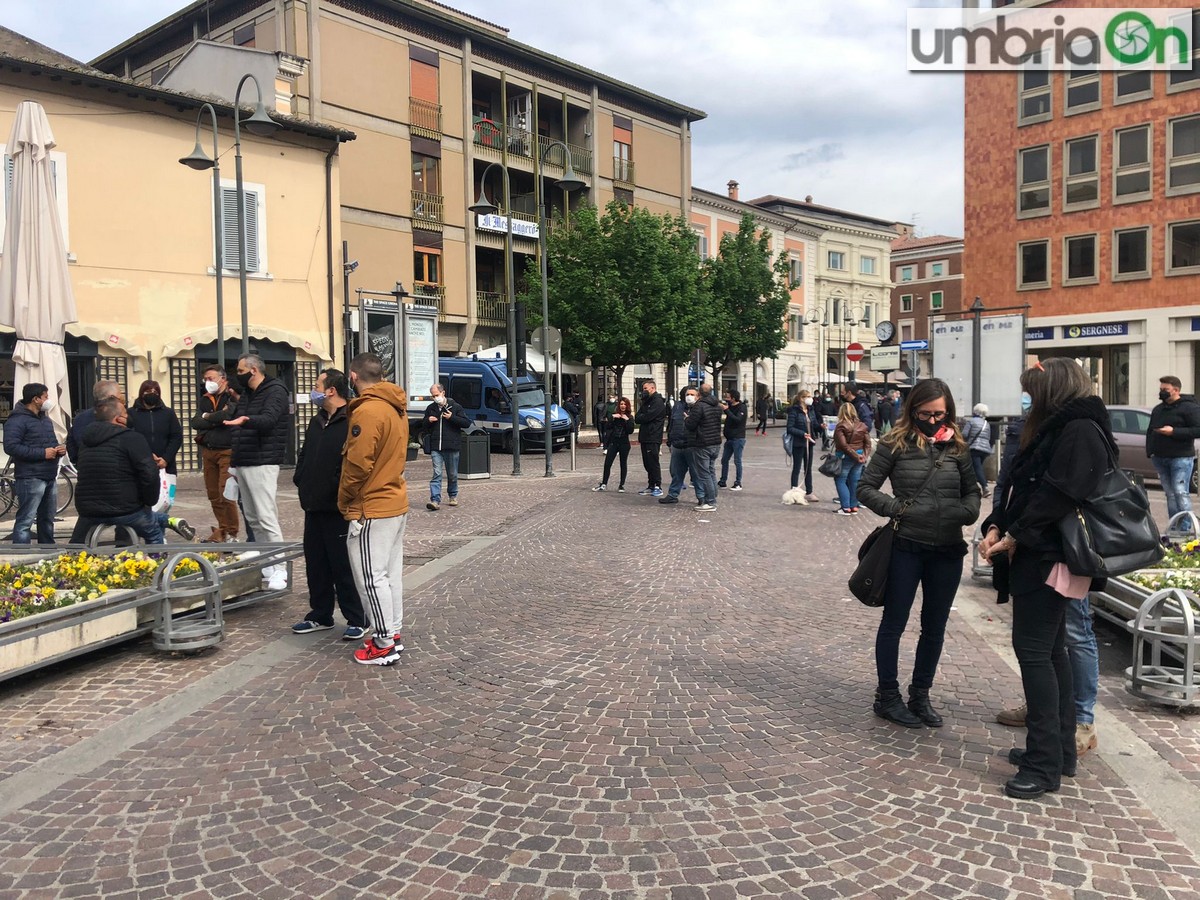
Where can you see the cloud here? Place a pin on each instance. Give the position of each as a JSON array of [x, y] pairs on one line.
[[824, 153]]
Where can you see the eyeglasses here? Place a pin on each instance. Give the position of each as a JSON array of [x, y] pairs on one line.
[[931, 416]]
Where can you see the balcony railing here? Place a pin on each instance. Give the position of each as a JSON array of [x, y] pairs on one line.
[[623, 170], [430, 295], [426, 209], [490, 308], [490, 136], [425, 118], [581, 157]]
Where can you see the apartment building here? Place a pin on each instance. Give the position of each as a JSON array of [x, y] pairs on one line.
[[1083, 201], [928, 276], [439, 99]]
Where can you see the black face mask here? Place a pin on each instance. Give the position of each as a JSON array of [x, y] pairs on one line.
[[151, 400], [243, 378], [645, 396], [929, 429], [1164, 396]]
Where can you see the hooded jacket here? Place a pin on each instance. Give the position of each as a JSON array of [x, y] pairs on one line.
[[678, 437], [372, 485], [211, 412], [445, 435], [652, 417], [262, 441], [735, 422], [117, 474], [27, 436], [1184, 416], [160, 427], [703, 422]]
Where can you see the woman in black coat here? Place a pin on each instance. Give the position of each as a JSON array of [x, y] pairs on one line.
[[158, 424], [1066, 447], [617, 428], [804, 427]]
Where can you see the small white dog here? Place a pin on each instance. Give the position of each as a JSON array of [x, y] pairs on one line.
[[794, 497]]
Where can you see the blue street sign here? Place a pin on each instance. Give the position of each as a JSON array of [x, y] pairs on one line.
[[914, 345], [692, 376]]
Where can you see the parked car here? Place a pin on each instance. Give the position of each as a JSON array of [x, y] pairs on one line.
[[1129, 425]]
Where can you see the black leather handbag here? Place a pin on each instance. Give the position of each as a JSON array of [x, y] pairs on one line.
[[1113, 531], [831, 465]]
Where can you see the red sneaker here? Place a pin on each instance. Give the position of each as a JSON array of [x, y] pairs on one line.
[[371, 654]]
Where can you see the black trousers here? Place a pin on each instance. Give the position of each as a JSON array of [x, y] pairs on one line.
[[1039, 640], [328, 565], [616, 450], [650, 459]]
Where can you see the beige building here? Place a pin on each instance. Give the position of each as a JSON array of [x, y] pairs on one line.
[[435, 96], [139, 230]]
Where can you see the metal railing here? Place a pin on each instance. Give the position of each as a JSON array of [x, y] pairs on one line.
[[433, 295], [623, 170], [490, 307], [426, 208], [581, 157], [425, 118]]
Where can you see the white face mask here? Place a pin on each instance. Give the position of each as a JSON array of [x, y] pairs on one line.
[[691, 399], [212, 386], [808, 401], [440, 399], [48, 405]]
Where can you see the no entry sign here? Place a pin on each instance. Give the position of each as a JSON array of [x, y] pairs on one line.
[[855, 352]]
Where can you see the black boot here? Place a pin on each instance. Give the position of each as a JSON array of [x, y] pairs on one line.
[[890, 705], [918, 704]]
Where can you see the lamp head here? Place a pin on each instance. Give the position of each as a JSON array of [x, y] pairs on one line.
[[399, 292], [197, 159], [260, 123], [570, 182], [483, 206]]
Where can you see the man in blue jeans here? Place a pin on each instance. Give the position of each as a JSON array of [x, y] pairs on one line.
[[1171, 444], [703, 422], [444, 422], [31, 444], [679, 443], [735, 438]]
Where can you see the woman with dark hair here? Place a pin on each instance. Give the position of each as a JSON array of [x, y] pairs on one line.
[[852, 438], [1066, 446], [805, 428], [617, 428], [934, 496], [158, 424]]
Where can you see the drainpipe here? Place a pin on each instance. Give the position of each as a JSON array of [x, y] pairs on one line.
[[329, 242]]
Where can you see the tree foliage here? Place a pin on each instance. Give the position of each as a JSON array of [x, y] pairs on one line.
[[750, 296]]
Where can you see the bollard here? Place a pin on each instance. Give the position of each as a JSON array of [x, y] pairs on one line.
[[1184, 526], [1166, 623], [573, 451]]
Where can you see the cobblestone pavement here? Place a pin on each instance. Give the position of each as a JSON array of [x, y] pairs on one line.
[[600, 697]]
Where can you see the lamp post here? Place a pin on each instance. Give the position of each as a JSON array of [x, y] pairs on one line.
[[852, 315], [484, 207], [200, 161], [819, 316], [569, 182]]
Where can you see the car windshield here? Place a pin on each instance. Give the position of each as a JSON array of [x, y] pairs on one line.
[[531, 397]]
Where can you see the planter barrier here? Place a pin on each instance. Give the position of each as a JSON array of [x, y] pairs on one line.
[[195, 631], [1165, 624], [1183, 526]]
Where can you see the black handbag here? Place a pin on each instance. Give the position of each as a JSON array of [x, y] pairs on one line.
[[868, 582], [1113, 531], [831, 465]]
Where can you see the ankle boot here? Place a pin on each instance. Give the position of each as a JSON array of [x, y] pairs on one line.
[[919, 706], [890, 705]]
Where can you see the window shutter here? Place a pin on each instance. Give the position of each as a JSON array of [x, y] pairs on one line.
[[252, 233], [230, 229]]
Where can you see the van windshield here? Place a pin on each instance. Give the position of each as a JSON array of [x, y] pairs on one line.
[[531, 397]]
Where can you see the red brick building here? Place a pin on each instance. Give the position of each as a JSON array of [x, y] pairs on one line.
[[1082, 199], [927, 274]]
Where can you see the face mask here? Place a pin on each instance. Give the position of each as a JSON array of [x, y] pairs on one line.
[[243, 378], [691, 399], [808, 401], [1164, 396], [645, 396], [212, 387], [1026, 402], [48, 405], [317, 396], [151, 400], [440, 399], [929, 429]]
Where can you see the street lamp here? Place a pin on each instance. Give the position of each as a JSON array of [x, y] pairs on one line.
[[569, 182], [818, 316], [484, 207], [200, 161]]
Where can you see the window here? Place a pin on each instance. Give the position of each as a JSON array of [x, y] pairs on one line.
[[1033, 265], [622, 149], [1185, 79], [795, 272], [256, 228], [426, 267], [1183, 248], [1033, 93], [867, 316], [936, 300], [159, 72], [1082, 84], [906, 332], [866, 265], [906, 303], [426, 174], [1183, 155], [1033, 173], [701, 243], [906, 273], [623, 196], [795, 326], [1079, 259], [837, 259], [1131, 254], [1081, 173], [467, 390], [58, 172], [1131, 86], [937, 270], [1131, 164], [243, 35]]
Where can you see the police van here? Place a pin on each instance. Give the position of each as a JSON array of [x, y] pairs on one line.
[[486, 393]]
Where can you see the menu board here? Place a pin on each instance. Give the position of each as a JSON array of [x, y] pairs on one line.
[[420, 344]]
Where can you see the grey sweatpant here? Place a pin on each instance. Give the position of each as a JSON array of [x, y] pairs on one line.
[[377, 561], [257, 487]]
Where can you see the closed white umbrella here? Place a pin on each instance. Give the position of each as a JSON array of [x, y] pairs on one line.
[[36, 299]]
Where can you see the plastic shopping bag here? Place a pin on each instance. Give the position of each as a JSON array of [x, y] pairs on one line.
[[166, 492], [230, 492]]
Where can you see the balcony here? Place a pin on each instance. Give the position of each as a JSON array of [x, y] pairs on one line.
[[425, 118], [427, 210], [433, 295], [524, 225], [623, 171], [581, 157], [490, 308], [490, 136]]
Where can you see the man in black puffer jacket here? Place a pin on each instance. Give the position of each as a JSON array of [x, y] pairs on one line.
[[651, 417], [703, 422], [118, 478], [444, 422], [679, 442]]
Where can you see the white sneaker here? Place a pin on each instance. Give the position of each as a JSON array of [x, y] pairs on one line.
[[277, 581]]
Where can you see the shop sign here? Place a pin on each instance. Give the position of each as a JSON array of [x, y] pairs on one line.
[[520, 228], [1101, 330], [1044, 333]]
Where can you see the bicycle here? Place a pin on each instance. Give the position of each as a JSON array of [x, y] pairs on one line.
[[64, 484]]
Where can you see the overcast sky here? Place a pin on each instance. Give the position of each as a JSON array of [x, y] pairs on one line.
[[803, 96]]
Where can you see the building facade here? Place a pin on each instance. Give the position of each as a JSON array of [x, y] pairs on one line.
[[439, 100], [928, 276], [1082, 194]]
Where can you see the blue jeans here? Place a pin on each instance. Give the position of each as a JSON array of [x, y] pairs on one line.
[[847, 482], [704, 478], [1085, 659], [1174, 473], [734, 448], [447, 461], [37, 498], [148, 525], [681, 467]]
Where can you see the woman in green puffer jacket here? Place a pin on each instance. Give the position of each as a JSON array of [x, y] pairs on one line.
[[929, 546]]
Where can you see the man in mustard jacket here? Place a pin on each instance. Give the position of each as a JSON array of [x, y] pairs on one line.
[[373, 497]]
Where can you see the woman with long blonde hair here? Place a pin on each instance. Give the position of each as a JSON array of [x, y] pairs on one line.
[[852, 438]]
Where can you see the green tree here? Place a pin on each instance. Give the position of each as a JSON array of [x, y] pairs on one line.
[[750, 296], [625, 287]]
